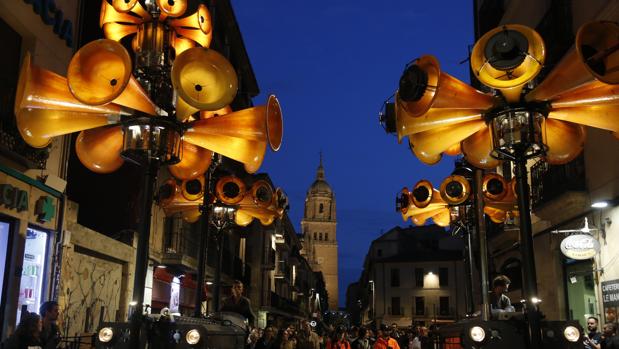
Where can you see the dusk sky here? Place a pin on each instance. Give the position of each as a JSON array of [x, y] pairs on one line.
[[332, 64]]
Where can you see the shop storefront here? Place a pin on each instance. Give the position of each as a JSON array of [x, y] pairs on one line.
[[175, 292], [28, 235]]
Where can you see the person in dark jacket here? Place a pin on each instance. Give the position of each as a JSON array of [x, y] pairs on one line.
[[610, 340], [27, 334], [236, 303], [50, 334]]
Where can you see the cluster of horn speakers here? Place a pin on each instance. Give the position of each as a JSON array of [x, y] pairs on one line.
[[101, 98], [443, 115], [258, 201], [425, 202]]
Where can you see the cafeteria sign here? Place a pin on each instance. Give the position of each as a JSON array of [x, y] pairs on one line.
[[580, 246], [610, 293]]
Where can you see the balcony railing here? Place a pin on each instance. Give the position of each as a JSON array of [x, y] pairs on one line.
[[548, 182]]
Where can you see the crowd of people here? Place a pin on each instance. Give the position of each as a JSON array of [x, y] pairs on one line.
[[327, 337], [36, 330]]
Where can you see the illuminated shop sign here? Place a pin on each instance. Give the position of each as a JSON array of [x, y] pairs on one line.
[[580, 246], [52, 15]]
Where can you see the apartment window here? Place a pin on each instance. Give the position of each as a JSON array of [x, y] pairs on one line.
[[379, 252], [320, 236], [443, 277], [395, 306], [420, 306], [443, 308], [395, 277], [314, 235], [419, 277], [326, 236]]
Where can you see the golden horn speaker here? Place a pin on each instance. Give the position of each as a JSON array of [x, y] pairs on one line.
[[605, 117], [124, 6], [508, 57], [193, 189], [242, 219], [430, 144], [241, 135], [117, 31], [44, 107], [181, 44], [109, 14], [174, 8], [455, 190], [440, 216], [99, 149], [494, 187], [477, 148], [403, 202], [262, 193], [594, 56], [166, 192], [174, 202], [197, 26], [194, 162], [453, 150], [205, 114], [595, 93], [565, 141], [100, 73], [423, 86], [423, 195], [432, 119], [496, 215], [204, 79], [230, 190]]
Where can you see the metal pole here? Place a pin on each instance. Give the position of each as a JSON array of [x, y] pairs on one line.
[[217, 277], [203, 242], [141, 262], [483, 245], [529, 275], [470, 301]]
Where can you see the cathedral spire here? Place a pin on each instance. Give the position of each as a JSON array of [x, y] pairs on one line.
[[320, 173]]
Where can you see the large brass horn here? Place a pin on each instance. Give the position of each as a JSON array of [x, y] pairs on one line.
[[99, 149], [174, 8], [605, 117], [433, 119], [100, 73], [194, 162], [593, 57], [508, 57], [241, 135], [193, 189], [429, 145], [494, 187], [230, 190], [565, 141], [197, 26], [455, 189], [44, 107], [477, 148], [423, 86], [204, 80]]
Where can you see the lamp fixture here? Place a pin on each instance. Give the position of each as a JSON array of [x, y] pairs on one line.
[[600, 204]]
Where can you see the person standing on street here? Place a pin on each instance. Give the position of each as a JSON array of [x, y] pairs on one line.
[[594, 337], [50, 334], [236, 303]]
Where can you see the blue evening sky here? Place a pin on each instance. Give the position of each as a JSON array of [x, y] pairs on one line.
[[332, 64]]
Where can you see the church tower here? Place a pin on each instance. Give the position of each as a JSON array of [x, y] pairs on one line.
[[318, 228]]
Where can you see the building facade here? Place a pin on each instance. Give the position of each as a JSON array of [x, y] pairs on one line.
[[319, 233], [411, 276], [562, 196]]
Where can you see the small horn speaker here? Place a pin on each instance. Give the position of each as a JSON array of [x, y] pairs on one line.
[[100, 73], [194, 162], [175, 8], [99, 149], [197, 26], [424, 195], [167, 191], [424, 86], [230, 190], [110, 14], [241, 135], [429, 145], [508, 57], [193, 189], [262, 193], [455, 190], [494, 187], [204, 79], [124, 6], [593, 57]]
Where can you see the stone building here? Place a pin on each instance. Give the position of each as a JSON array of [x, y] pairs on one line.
[[319, 233]]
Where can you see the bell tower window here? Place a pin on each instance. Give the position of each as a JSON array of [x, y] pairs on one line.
[[321, 208]]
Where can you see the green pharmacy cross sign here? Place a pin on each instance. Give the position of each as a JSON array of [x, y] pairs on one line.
[[44, 209]]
